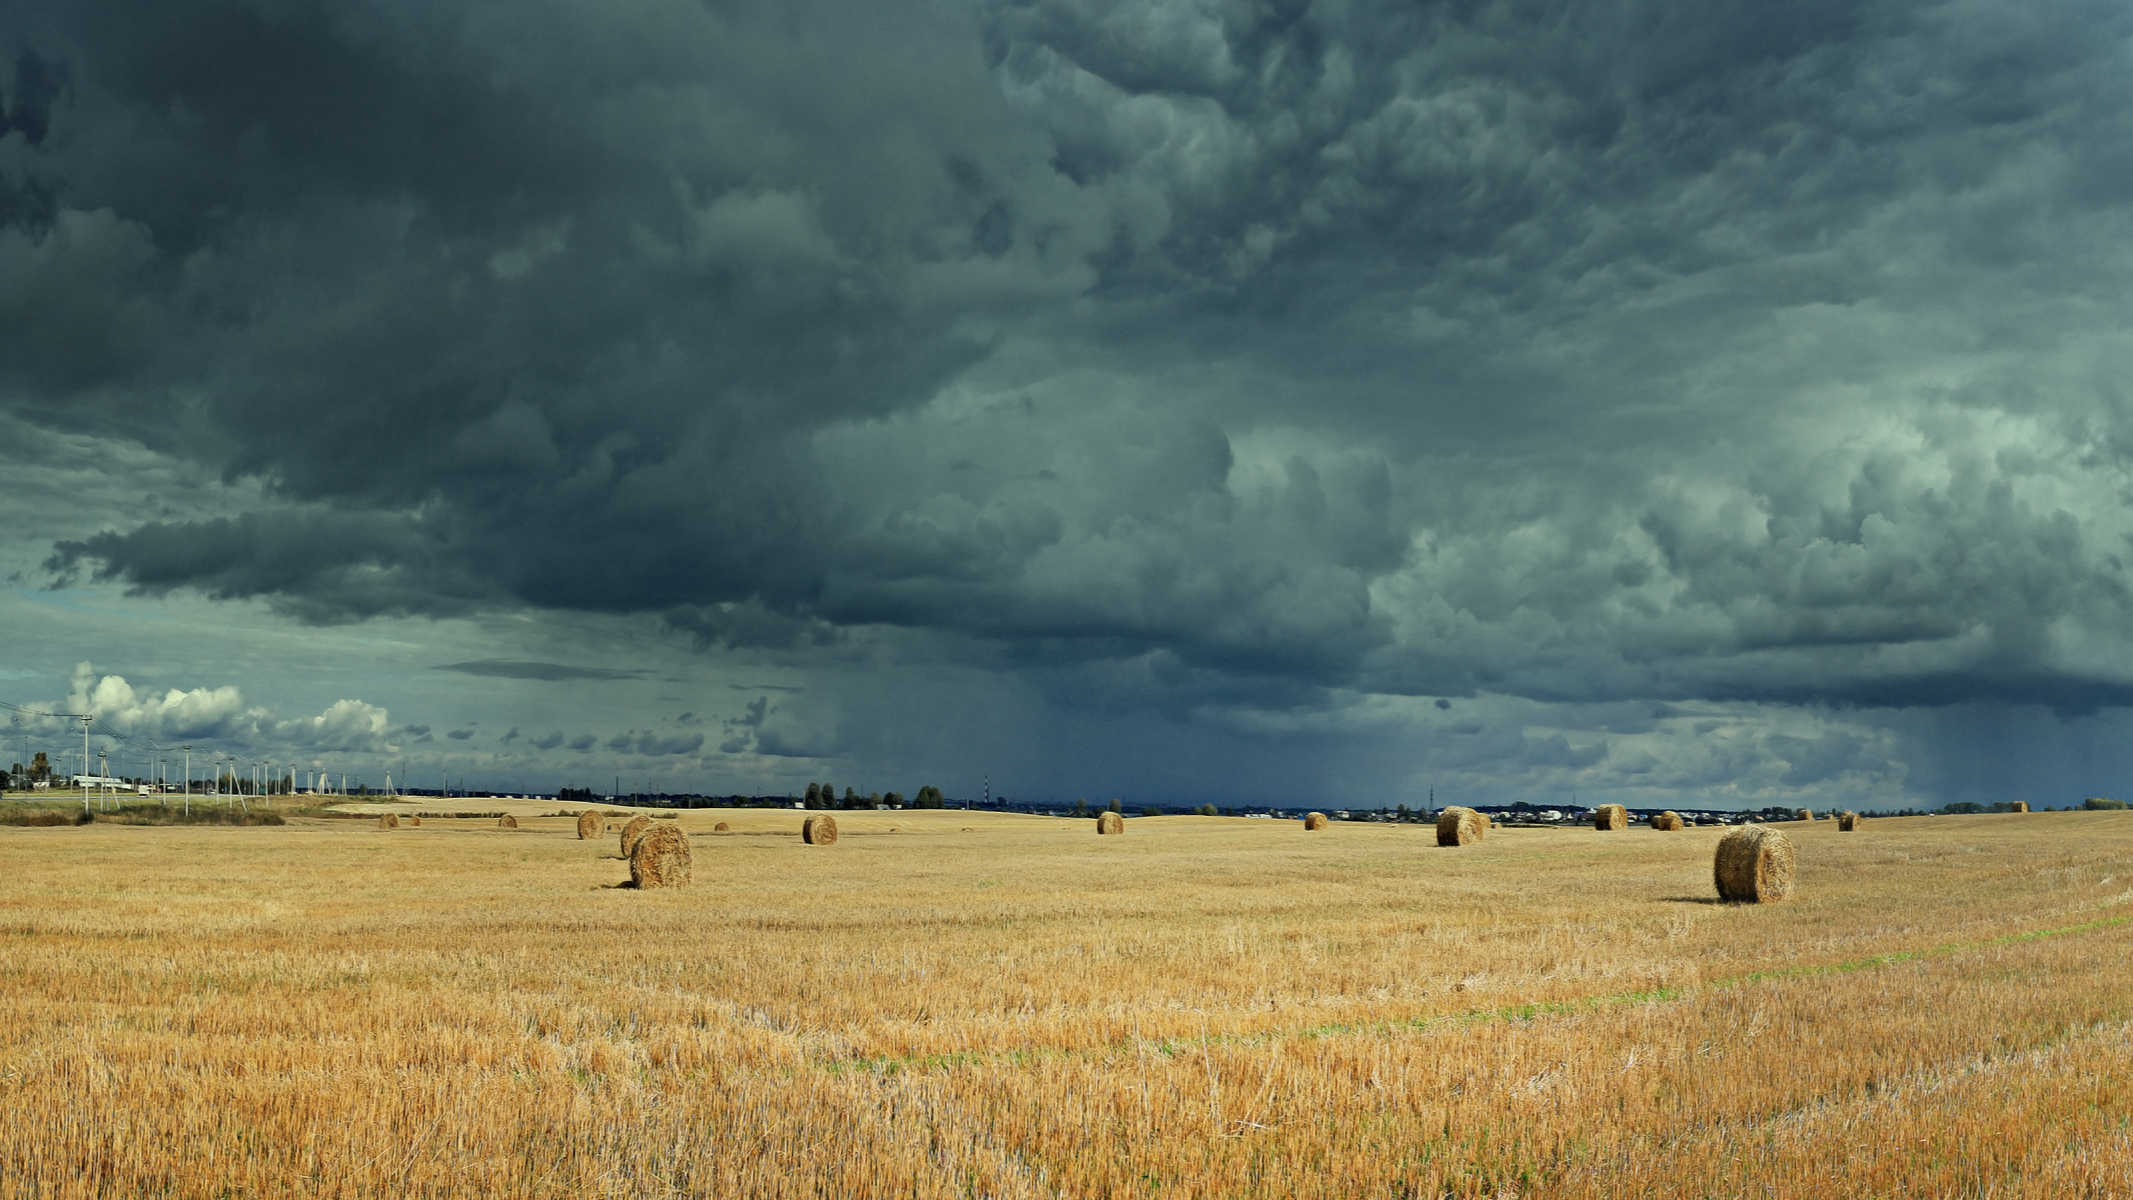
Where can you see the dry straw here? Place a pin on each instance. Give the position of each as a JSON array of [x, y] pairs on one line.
[[1315, 821], [1610, 816], [1460, 827], [819, 831], [588, 825], [1847, 822], [661, 859], [633, 831], [1807, 814], [721, 827], [2021, 806], [1754, 865], [389, 821], [1667, 821], [1110, 822], [507, 821]]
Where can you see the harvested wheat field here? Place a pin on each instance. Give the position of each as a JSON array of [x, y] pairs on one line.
[[980, 1005]]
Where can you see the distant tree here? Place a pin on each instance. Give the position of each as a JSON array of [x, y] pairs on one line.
[[1081, 808], [1151, 812], [814, 796], [1115, 808], [2098, 803], [851, 799], [1205, 810], [873, 799], [894, 799], [40, 770], [930, 797]]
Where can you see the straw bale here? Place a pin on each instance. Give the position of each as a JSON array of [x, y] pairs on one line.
[[1753, 864], [1667, 821], [588, 825], [389, 821], [819, 831], [1110, 822], [1460, 826], [415, 821], [661, 858], [2021, 806], [1315, 821], [507, 821], [633, 831], [1807, 814], [721, 827], [1488, 823], [1610, 816], [1847, 822]]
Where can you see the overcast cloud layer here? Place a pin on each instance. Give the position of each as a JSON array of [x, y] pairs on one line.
[[1179, 399]]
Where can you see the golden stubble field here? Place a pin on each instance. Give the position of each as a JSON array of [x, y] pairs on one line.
[[957, 1004]]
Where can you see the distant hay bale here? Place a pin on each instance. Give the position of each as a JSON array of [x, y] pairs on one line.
[[1807, 814], [819, 831], [1460, 827], [507, 821], [2021, 806], [632, 832], [588, 825], [1110, 822], [661, 858], [1667, 821], [1847, 822], [1315, 821], [721, 827], [415, 821], [1753, 865], [389, 821], [1609, 817]]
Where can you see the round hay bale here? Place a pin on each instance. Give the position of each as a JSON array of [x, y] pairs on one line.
[[389, 821], [588, 825], [1315, 821], [819, 831], [1667, 821], [1110, 822], [1753, 865], [1488, 823], [1807, 814], [1847, 822], [661, 859], [415, 821], [507, 821], [1460, 826], [721, 827], [1609, 817], [633, 831], [2021, 806]]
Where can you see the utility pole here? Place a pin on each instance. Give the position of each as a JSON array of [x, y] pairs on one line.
[[85, 719], [188, 781]]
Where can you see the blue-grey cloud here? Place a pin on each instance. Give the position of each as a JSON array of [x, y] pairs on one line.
[[1208, 363]]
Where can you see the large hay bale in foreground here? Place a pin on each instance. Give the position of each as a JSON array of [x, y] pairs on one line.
[[1460, 826], [722, 827], [588, 825], [389, 821], [1667, 821], [1315, 821], [632, 832], [1610, 817], [819, 831], [1847, 822], [661, 859], [507, 821], [1110, 822], [2021, 806], [1753, 865]]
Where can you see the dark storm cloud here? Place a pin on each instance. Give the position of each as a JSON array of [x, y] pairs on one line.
[[553, 672], [1176, 354]]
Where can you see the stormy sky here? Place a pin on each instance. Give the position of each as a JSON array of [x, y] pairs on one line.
[[1708, 403]]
